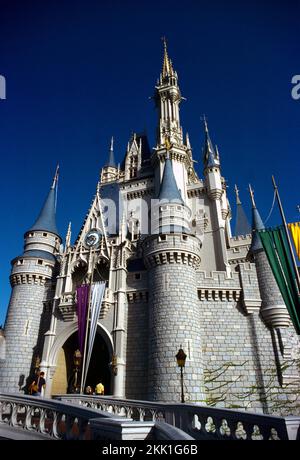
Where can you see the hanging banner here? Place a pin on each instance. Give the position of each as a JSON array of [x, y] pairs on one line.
[[97, 294], [277, 250], [295, 231], [82, 295]]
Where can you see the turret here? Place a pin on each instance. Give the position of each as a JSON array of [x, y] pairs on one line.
[[273, 309], [211, 163], [109, 171], [28, 314], [216, 191], [172, 256]]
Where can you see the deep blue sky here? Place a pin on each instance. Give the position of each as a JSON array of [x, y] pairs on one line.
[[78, 72]]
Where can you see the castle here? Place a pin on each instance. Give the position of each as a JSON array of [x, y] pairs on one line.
[[160, 237]]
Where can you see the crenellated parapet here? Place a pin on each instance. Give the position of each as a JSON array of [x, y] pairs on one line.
[[172, 249], [218, 286]]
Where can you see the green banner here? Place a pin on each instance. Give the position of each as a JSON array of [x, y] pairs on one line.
[[277, 250]]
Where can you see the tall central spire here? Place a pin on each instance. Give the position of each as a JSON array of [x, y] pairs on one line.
[[167, 98], [167, 64]]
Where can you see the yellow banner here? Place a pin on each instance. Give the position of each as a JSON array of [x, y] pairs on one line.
[[295, 231]]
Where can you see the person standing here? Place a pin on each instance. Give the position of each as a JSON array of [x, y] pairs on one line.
[[38, 383], [99, 389]]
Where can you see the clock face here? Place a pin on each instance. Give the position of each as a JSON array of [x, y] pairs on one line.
[[92, 238]]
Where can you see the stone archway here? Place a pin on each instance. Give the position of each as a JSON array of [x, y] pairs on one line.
[[62, 355]]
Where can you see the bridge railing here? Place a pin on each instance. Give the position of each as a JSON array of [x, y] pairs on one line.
[[198, 421], [54, 419], [30, 417]]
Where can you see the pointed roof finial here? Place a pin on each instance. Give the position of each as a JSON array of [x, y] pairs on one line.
[[111, 158], [252, 196], [257, 224], [55, 179], [68, 236], [167, 64], [187, 141], [211, 157], [205, 124], [238, 201]]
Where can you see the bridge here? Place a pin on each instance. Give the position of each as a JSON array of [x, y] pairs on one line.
[[82, 417]]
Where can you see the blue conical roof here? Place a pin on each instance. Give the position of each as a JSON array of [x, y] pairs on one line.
[[210, 156], [111, 158], [46, 219], [168, 187], [257, 224]]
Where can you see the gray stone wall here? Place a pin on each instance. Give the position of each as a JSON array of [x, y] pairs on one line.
[[22, 329], [137, 350], [241, 369]]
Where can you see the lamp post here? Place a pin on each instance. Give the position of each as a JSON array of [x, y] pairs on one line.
[[181, 357]]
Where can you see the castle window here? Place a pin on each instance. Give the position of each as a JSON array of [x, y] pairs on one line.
[[31, 235], [45, 234], [162, 238], [40, 262], [20, 262], [137, 276], [184, 237]]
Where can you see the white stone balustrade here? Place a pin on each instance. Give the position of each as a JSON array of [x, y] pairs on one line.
[[199, 422]]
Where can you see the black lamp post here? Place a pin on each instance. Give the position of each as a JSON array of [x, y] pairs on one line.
[[181, 357]]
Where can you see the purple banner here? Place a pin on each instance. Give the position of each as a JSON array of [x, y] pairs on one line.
[[82, 304]]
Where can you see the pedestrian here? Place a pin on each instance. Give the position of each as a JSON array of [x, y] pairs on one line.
[[89, 390], [99, 389], [38, 383]]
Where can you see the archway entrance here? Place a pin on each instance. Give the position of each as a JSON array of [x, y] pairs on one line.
[[99, 369]]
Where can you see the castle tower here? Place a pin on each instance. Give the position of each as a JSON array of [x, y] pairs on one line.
[[167, 99], [273, 309], [216, 191], [29, 308], [171, 257]]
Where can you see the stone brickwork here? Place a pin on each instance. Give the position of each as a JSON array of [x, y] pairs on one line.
[[137, 350], [240, 359], [22, 331], [173, 310], [273, 308]]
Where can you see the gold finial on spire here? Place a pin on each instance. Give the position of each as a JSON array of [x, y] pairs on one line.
[[167, 65], [252, 196]]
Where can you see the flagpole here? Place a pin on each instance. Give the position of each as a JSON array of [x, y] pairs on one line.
[[86, 334], [286, 232]]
